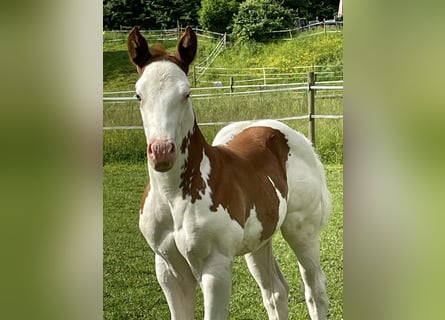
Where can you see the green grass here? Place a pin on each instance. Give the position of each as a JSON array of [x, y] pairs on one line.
[[130, 146], [118, 72], [130, 287], [120, 75], [325, 50]]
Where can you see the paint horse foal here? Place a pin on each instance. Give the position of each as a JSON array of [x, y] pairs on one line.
[[207, 204]]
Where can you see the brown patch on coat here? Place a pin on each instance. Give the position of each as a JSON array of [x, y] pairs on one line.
[[240, 182], [240, 174], [192, 183], [144, 196], [158, 50], [171, 58]]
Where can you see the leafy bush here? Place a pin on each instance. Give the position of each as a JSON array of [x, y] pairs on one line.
[[217, 15], [256, 18]]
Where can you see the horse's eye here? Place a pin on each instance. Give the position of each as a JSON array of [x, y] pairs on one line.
[[138, 97], [187, 95]]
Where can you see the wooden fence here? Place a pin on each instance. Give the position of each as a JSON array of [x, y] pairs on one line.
[[158, 35], [261, 75], [310, 87]]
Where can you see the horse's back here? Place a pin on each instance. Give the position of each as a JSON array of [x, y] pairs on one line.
[[296, 140], [298, 145], [304, 172]]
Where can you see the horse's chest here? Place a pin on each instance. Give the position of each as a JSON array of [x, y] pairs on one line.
[[199, 230], [198, 227], [192, 227]]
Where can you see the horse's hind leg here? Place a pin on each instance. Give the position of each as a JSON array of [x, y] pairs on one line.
[[273, 285], [304, 241]]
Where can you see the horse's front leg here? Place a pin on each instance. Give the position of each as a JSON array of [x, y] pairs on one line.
[[216, 283], [172, 270], [178, 285]]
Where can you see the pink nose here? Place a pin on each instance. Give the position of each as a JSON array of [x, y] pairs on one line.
[[161, 154]]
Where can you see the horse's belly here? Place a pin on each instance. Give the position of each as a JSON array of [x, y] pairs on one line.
[[253, 230]]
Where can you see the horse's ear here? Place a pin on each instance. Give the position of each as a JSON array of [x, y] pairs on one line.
[[187, 46], [138, 49]]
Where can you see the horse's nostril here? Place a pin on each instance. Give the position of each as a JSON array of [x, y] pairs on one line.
[[161, 154], [150, 148], [161, 147]]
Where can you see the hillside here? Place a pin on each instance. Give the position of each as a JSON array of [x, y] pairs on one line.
[[284, 54], [324, 50]]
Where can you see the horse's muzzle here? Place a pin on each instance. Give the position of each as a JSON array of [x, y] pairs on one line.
[[161, 154]]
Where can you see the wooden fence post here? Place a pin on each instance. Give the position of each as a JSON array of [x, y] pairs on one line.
[[231, 84], [178, 29], [311, 105]]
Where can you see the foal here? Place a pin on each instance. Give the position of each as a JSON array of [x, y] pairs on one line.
[[207, 204]]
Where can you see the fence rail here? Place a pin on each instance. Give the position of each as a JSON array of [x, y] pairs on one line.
[[159, 35], [315, 27], [204, 65], [224, 123], [310, 87], [265, 75], [320, 27], [254, 89]]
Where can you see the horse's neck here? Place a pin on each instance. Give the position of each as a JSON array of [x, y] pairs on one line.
[[190, 153], [193, 145]]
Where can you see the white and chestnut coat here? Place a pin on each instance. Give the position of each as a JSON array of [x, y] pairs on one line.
[[206, 204]]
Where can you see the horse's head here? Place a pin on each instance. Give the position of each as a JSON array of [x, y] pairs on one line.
[[163, 91]]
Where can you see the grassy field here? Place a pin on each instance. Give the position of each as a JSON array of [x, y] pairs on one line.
[[319, 50], [130, 146], [120, 75], [130, 287]]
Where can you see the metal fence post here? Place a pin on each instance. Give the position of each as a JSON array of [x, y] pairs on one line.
[[311, 105]]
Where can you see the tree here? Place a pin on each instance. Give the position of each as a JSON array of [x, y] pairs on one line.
[[217, 15], [256, 18], [169, 12], [149, 14], [126, 13], [311, 9]]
